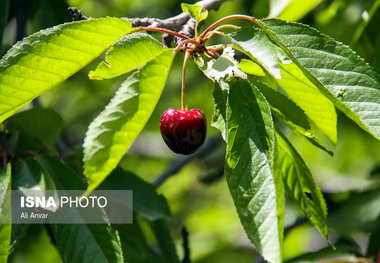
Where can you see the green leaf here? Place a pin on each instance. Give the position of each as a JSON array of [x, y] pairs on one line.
[[300, 183], [5, 211], [255, 44], [45, 125], [250, 67], [320, 110], [152, 207], [374, 241], [146, 201], [63, 176], [280, 201], [249, 158], [88, 243], [195, 11], [5, 180], [165, 241], [134, 244], [111, 134], [18, 233], [80, 242], [50, 56], [130, 52], [337, 71], [220, 107], [286, 110], [289, 113], [29, 175]]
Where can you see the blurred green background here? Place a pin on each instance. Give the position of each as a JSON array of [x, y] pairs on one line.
[[350, 180]]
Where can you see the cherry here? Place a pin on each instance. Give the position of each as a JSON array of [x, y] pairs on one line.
[[184, 131]]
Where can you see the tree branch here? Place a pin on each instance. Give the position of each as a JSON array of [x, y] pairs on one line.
[[185, 245], [178, 22], [77, 14], [181, 23], [179, 163]]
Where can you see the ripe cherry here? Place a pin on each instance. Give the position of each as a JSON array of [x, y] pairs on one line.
[[184, 131]]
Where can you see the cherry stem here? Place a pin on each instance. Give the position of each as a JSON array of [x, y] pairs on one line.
[[211, 33], [212, 53], [196, 29], [219, 47], [183, 42], [187, 55], [161, 30], [215, 24], [226, 26]]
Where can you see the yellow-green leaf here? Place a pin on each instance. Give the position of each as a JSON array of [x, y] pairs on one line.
[[5, 213], [130, 52], [195, 11], [50, 56]]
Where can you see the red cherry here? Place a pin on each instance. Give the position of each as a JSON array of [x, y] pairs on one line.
[[184, 131]]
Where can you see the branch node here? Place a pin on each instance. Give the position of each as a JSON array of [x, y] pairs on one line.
[[77, 14]]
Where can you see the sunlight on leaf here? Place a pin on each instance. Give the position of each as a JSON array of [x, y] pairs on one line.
[[256, 44], [292, 10], [289, 113], [336, 70], [250, 67], [130, 52], [306, 95], [50, 56]]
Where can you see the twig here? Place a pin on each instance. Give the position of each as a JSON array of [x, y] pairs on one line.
[[179, 163], [178, 22], [185, 245], [77, 14]]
